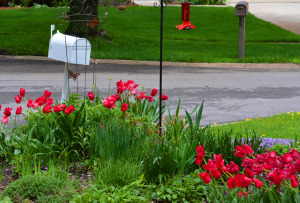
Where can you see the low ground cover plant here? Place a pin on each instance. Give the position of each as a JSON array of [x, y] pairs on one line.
[[115, 144]]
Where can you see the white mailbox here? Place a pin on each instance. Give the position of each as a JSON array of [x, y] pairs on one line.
[[69, 49]]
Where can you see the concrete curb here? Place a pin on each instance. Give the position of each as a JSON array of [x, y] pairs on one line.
[[169, 64]]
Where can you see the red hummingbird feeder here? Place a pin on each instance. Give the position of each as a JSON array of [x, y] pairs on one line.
[[185, 15]]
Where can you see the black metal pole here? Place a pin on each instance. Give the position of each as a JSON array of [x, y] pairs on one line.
[[160, 71]]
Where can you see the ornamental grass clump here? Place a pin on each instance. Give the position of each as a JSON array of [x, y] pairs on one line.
[[266, 177]]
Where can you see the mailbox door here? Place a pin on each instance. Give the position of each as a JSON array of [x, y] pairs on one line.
[[81, 52], [240, 10]]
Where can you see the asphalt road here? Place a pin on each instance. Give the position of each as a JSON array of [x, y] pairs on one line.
[[230, 94]]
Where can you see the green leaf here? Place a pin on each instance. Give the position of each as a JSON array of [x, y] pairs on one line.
[[169, 191]]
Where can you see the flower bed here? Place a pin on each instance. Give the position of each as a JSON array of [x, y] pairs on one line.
[[114, 144]]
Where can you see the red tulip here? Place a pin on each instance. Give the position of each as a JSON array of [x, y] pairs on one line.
[[239, 152], [117, 97], [134, 92], [249, 173], [259, 159], [287, 157], [257, 183], [58, 108], [0, 107], [63, 106], [140, 96], [276, 176], [124, 107], [29, 104], [297, 165], [22, 92], [231, 182], [289, 170], [47, 109], [69, 109], [218, 159], [4, 120], [294, 153], [247, 163], [248, 149], [7, 111], [47, 94], [120, 83], [150, 99], [41, 100], [267, 166], [215, 173], [130, 84], [153, 92], [164, 97], [257, 169], [91, 96], [19, 110], [210, 166], [242, 180], [232, 168], [205, 177], [120, 90], [200, 150], [35, 104], [49, 101], [122, 86], [109, 102], [199, 159], [18, 99], [294, 181], [200, 155]]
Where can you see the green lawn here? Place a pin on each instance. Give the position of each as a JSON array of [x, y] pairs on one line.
[[284, 125], [134, 34]]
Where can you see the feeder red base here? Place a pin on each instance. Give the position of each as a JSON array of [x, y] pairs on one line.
[[185, 26]]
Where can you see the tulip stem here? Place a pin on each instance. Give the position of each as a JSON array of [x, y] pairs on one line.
[[218, 191]]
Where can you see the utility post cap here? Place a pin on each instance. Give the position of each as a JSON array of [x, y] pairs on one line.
[[241, 8]]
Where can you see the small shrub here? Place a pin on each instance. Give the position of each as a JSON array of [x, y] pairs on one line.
[[33, 187], [280, 149]]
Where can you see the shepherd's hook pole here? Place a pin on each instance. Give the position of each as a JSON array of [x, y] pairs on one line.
[[65, 85], [160, 72]]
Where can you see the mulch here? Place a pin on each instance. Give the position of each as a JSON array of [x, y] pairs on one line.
[[7, 178]]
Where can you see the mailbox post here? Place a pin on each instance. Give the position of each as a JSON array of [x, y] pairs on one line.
[[68, 49], [241, 10]]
